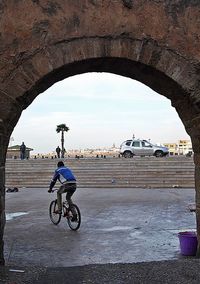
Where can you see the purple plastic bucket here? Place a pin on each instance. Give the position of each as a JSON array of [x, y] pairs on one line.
[[188, 243]]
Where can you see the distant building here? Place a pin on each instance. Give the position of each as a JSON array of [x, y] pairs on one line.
[[13, 152], [183, 147], [173, 148]]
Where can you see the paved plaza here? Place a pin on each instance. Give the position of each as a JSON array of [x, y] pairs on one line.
[[119, 226]]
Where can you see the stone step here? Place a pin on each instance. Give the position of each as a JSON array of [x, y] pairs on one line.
[[96, 180], [136, 172], [108, 168], [107, 161]]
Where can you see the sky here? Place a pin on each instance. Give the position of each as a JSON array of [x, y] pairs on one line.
[[100, 109]]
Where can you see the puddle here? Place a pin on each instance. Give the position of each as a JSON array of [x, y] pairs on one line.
[[117, 228], [10, 216], [136, 233]]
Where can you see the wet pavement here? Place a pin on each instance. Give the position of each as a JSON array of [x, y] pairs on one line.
[[119, 227]]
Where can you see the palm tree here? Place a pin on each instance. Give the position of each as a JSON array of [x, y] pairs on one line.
[[62, 128]]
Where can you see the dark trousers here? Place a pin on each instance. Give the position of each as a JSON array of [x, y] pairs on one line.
[[68, 188]]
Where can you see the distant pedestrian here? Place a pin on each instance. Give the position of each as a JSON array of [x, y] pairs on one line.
[[58, 150], [63, 153], [22, 151]]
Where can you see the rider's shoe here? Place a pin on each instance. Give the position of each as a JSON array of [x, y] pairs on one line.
[[65, 214], [58, 212]]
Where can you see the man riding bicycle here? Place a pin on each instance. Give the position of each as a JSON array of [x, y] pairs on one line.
[[68, 184]]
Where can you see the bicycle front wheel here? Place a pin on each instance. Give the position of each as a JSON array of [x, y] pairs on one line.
[[74, 217], [54, 216]]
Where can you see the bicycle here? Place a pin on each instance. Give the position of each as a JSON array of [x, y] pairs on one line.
[[69, 211]]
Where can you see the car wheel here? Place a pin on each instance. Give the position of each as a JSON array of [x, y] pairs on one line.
[[127, 154], [159, 154]]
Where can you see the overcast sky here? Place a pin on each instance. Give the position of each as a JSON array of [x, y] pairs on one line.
[[101, 109]]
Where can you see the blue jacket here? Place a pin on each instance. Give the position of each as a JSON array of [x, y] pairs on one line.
[[63, 174]]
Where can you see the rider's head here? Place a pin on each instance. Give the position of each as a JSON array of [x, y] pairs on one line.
[[60, 164]]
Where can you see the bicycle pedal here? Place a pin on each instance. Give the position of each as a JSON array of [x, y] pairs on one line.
[[73, 219]]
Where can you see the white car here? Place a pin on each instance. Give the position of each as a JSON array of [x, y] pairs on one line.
[[137, 147]]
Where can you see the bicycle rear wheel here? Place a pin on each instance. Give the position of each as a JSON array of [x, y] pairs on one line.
[[74, 217], [55, 217]]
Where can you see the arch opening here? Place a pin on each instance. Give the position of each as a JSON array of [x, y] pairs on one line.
[[141, 71], [51, 81]]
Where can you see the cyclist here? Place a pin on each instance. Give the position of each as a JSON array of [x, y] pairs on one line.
[[68, 184]]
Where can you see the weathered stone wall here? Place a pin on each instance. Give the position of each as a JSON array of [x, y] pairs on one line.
[[153, 41], [156, 32]]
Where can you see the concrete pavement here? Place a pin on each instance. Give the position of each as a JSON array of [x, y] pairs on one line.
[[185, 271], [119, 226]]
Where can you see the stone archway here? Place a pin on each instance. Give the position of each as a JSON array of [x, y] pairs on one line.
[[156, 43]]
